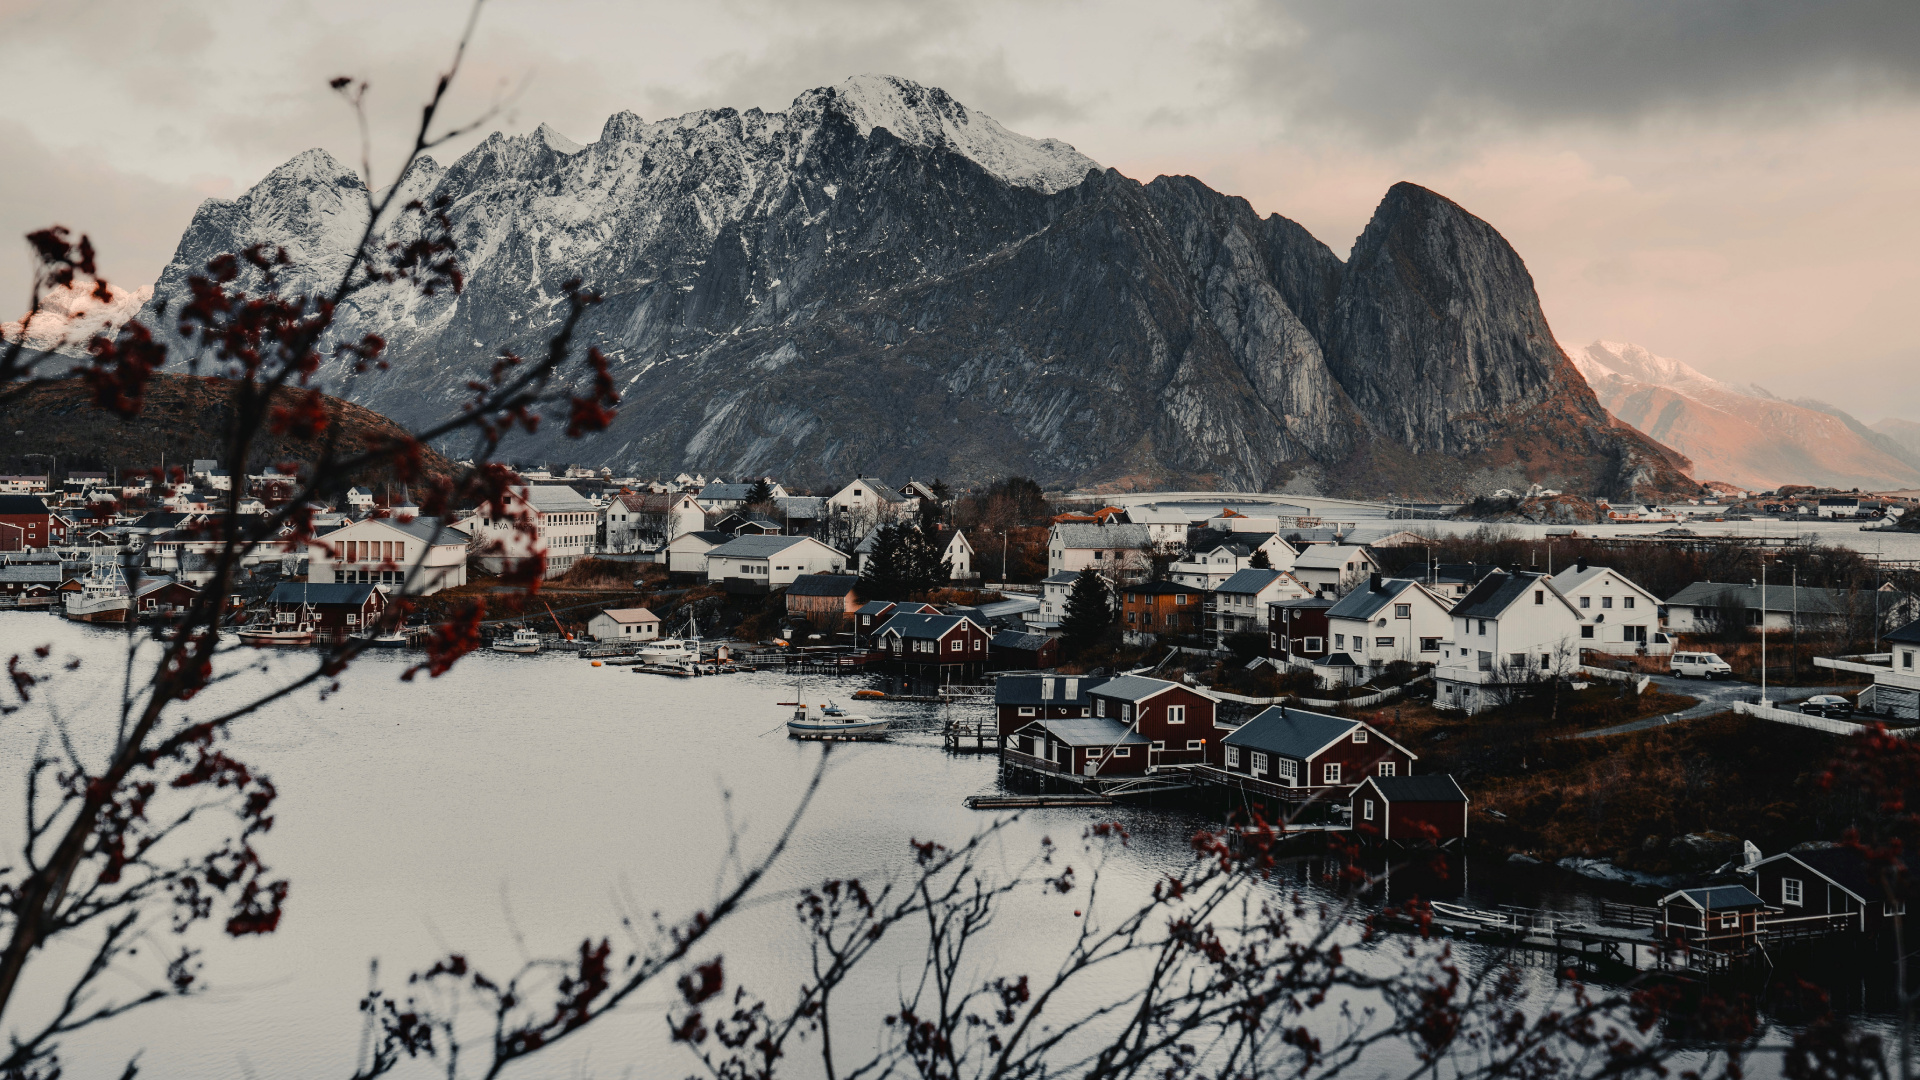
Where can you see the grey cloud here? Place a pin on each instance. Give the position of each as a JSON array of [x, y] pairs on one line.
[[1395, 67]]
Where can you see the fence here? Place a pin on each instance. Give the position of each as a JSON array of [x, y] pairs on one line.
[[1640, 682], [1796, 718]]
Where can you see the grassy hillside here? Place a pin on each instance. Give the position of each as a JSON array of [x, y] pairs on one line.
[[185, 417]]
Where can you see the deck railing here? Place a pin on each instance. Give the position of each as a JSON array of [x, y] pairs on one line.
[[1030, 761]]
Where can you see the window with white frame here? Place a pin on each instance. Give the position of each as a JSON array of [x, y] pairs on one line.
[[1196, 744], [1176, 714], [1159, 744], [1287, 769], [1026, 710], [1403, 611], [1388, 768], [1366, 809], [1791, 891], [1260, 763], [1312, 644], [958, 645], [1360, 735], [1123, 751], [1330, 773], [1233, 757]]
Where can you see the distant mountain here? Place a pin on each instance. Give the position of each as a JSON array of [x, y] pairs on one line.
[[881, 279], [1741, 434], [1905, 433]]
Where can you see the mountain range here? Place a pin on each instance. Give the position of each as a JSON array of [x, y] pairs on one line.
[[882, 280], [1742, 434]]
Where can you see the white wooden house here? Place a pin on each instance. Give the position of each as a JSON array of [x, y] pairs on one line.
[[1334, 568], [416, 556], [772, 561], [1119, 552], [624, 624], [1616, 615], [1390, 619], [1510, 630]]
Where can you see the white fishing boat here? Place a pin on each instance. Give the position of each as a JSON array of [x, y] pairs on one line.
[[523, 641], [831, 722], [103, 596], [392, 639], [289, 633], [670, 651]]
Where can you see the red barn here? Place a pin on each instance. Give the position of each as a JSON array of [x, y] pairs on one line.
[[1175, 719], [25, 523], [1022, 699], [1411, 809]]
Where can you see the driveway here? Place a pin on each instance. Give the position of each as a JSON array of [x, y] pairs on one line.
[[1715, 696]]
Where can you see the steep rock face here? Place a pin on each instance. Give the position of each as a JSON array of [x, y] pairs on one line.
[[881, 279]]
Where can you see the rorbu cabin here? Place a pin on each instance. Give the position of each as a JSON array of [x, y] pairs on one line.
[[940, 647], [1022, 699], [1079, 746], [1719, 918], [1411, 810], [1293, 755], [1820, 891], [1175, 719], [334, 610]]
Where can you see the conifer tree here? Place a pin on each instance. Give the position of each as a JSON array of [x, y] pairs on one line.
[[1089, 612]]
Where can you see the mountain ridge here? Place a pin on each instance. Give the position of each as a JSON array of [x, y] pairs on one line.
[[812, 293]]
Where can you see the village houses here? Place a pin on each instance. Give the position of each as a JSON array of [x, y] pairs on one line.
[[1151, 610], [1118, 552], [1287, 755], [762, 563], [1616, 615], [624, 624], [1390, 619], [645, 521], [566, 525], [1334, 568], [1239, 604], [1512, 629], [418, 555]]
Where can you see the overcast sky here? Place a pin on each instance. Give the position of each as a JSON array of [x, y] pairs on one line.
[[1728, 182]]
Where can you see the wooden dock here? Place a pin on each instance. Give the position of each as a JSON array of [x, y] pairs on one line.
[[1027, 802], [975, 735]]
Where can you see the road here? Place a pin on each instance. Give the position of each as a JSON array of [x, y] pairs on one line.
[[1714, 696]]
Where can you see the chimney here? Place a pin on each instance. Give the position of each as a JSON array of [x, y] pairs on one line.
[[1581, 564], [1373, 584]]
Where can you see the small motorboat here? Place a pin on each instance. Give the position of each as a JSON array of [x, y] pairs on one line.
[[270, 634], [670, 651], [831, 722], [392, 639], [523, 641], [869, 695]]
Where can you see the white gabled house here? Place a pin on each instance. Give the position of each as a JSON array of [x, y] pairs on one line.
[[1616, 616], [624, 624], [771, 561], [1213, 556], [1390, 619], [959, 555], [1510, 630], [384, 551], [566, 527], [1239, 605], [687, 553], [873, 498], [1119, 552], [1334, 568], [1164, 526], [647, 521]]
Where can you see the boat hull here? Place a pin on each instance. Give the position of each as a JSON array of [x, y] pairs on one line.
[[271, 638], [510, 647], [99, 613], [829, 732]]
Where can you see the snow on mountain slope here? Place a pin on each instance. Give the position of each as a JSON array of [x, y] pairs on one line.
[[1741, 435]]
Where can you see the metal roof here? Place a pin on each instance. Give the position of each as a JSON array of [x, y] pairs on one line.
[[1906, 635], [1719, 898], [631, 615], [1017, 641], [1338, 659], [1064, 577], [559, 498], [23, 504], [755, 547], [1140, 688], [1249, 581], [924, 626], [1780, 598], [1033, 689], [1294, 733], [31, 572], [1077, 535], [1161, 588], [1496, 593], [1090, 731], [1365, 602], [300, 592], [874, 607], [1327, 556], [1843, 866], [1438, 787], [728, 492], [822, 585]]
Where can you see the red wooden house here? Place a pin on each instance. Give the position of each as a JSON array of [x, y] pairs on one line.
[[1410, 810], [1022, 699], [1719, 918], [334, 610], [1175, 719], [26, 523], [1291, 755], [1297, 629], [1812, 889], [938, 647], [1078, 746], [161, 597]]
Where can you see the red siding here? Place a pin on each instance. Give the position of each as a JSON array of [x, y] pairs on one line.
[[1358, 760]]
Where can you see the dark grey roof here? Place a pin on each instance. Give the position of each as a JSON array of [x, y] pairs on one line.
[[29, 573], [923, 626], [728, 492], [1496, 593], [1843, 866], [1089, 536], [1249, 581], [427, 530], [1161, 588], [1365, 602], [1721, 898], [1032, 689], [1308, 602], [1456, 573], [1906, 635], [1136, 687], [1438, 787], [805, 507], [1780, 598], [756, 547], [874, 607], [22, 504], [1016, 641], [711, 536], [1294, 733], [1338, 659], [822, 585], [1064, 577], [1090, 731], [298, 592]]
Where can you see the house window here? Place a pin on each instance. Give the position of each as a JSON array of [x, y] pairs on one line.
[[1429, 644], [1123, 751], [1159, 744], [1546, 662], [1366, 809], [1586, 631], [1790, 891], [1360, 736], [1026, 710], [1585, 601], [1339, 641], [1330, 773], [1180, 598], [958, 645], [1176, 714], [1196, 744], [1099, 706], [1483, 628], [1906, 658], [1233, 757], [1539, 596], [1312, 644], [1093, 751], [1388, 768], [1260, 763], [1403, 611], [1383, 643], [1288, 770], [1627, 602], [1606, 601]]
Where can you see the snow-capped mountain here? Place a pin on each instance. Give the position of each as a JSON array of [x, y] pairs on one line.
[[1742, 435], [881, 279]]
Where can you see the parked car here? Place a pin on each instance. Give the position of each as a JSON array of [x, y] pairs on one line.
[[1699, 665], [1827, 705]]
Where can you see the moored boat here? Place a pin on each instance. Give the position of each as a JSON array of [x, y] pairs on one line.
[[831, 722], [103, 596], [670, 651], [277, 634], [524, 641]]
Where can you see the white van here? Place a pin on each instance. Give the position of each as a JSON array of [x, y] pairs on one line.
[[1700, 665]]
